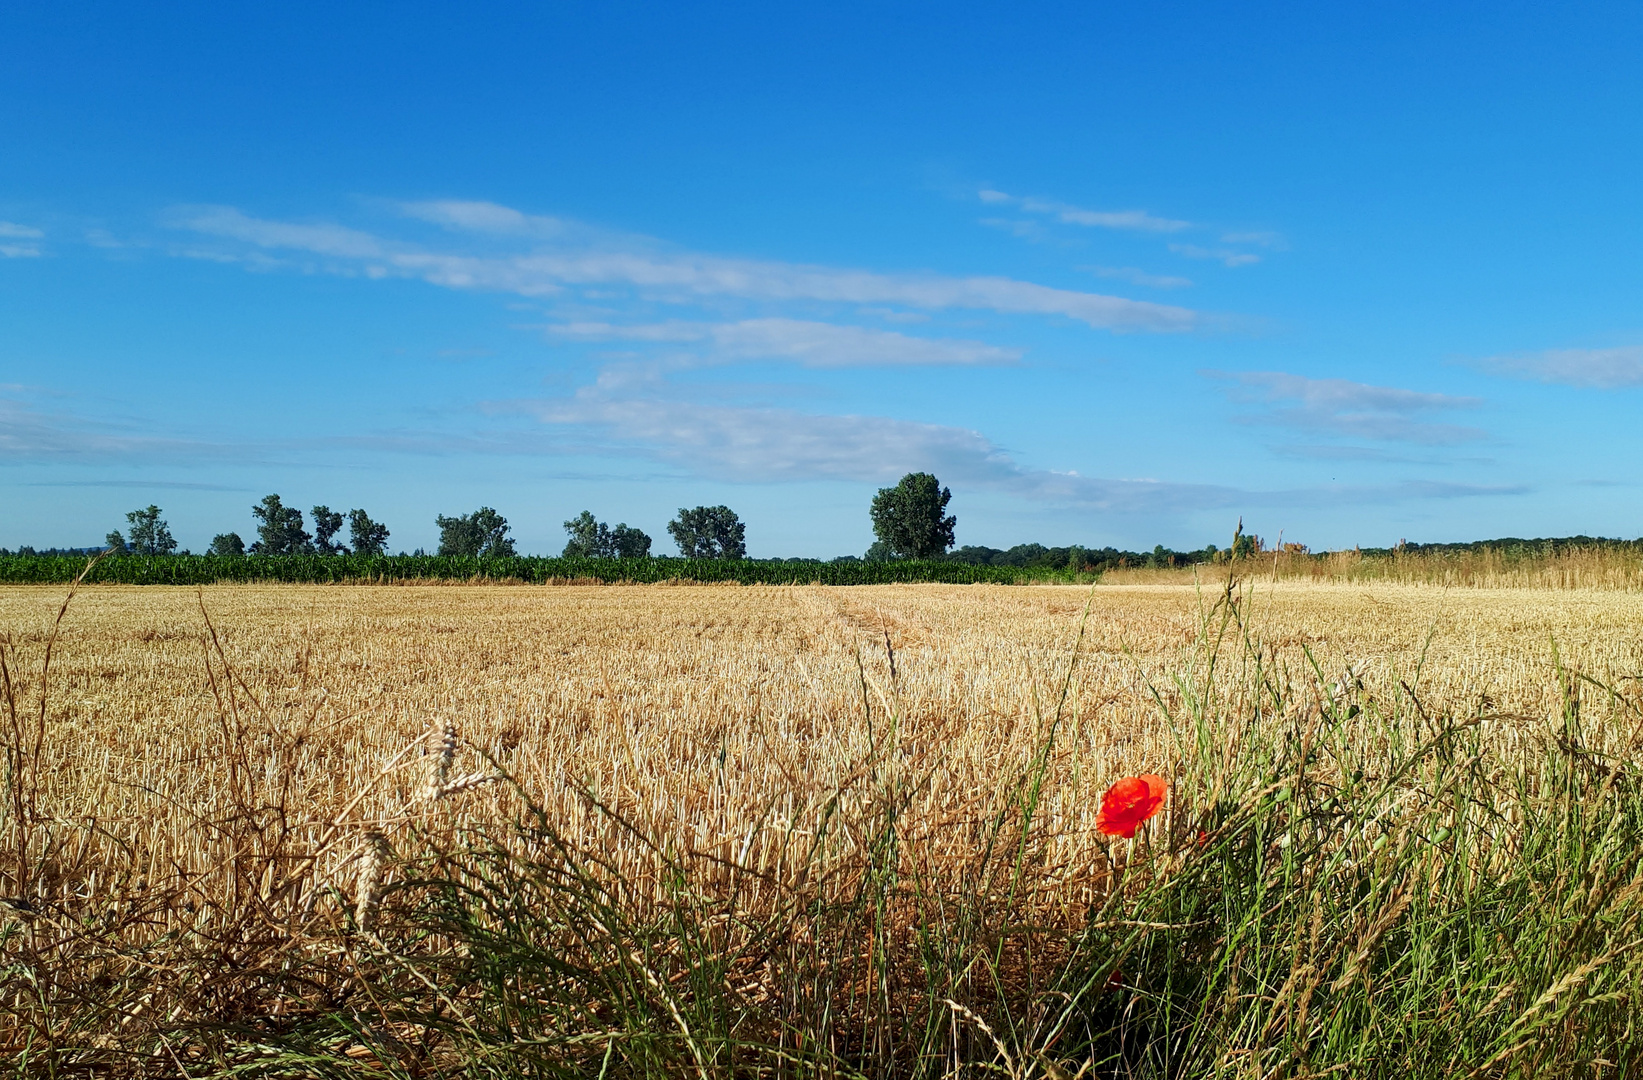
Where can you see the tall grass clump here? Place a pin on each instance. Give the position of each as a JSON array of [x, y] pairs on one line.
[[1348, 879]]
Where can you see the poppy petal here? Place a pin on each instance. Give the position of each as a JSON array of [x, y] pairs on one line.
[[1129, 803]]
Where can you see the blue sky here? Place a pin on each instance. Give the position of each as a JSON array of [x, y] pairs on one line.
[[1117, 274]]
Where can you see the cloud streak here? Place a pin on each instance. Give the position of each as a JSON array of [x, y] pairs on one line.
[[1136, 276], [811, 344], [1225, 256], [17, 241], [562, 256], [629, 415], [28, 434], [769, 445], [1603, 369], [1132, 220], [1352, 409]]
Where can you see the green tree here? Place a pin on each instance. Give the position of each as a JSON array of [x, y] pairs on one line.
[[150, 535], [593, 539], [368, 537], [907, 518], [709, 532], [628, 542], [227, 544], [327, 523], [482, 534], [116, 543], [589, 538], [279, 529]]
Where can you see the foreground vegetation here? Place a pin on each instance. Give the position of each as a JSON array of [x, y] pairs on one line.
[[535, 570], [801, 832]]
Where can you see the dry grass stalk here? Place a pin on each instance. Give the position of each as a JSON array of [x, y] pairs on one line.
[[756, 735]]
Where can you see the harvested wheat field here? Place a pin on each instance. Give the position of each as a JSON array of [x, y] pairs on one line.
[[757, 830]]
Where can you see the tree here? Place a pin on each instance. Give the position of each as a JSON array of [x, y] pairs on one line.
[[709, 532], [629, 542], [482, 534], [279, 529], [327, 523], [116, 543], [908, 519], [227, 544], [149, 533], [368, 537], [589, 539], [593, 539]]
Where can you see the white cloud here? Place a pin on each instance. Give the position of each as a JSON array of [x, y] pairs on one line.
[[483, 217], [666, 276], [1223, 255], [1601, 368], [1259, 238], [1136, 276], [1138, 220], [632, 412], [15, 241], [322, 239], [813, 344], [1019, 228], [1352, 409], [762, 444], [28, 433]]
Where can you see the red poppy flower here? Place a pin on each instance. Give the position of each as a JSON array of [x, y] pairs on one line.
[[1130, 802]]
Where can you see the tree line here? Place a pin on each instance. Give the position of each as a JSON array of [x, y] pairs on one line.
[[909, 519], [702, 532]]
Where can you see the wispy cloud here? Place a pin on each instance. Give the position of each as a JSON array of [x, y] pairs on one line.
[[16, 241], [812, 344], [1352, 409], [767, 444], [1020, 228], [561, 257], [1605, 369], [159, 485], [28, 433], [1137, 220], [639, 413], [1225, 256], [1136, 276], [1260, 238]]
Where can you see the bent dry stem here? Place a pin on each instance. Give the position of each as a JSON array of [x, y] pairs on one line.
[[875, 873]]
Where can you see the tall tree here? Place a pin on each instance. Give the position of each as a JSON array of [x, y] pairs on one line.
[[593, 539], [327, 523], [368, 537], [628, 542], [279, 529], [709, 532], [150, 535], [483, 533], [907, 518], [589, 538]]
